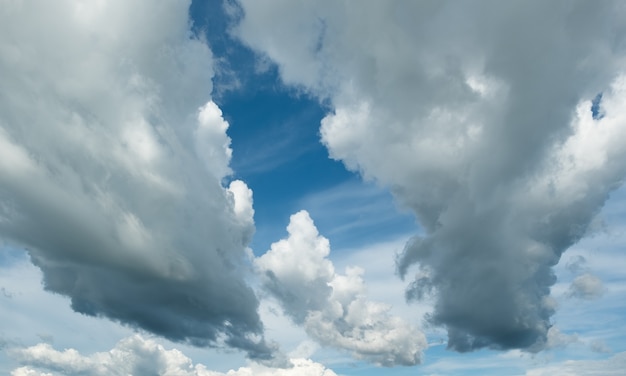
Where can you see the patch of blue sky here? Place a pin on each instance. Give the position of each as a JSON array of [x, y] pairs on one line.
[[277, 150], [356, 214], [439, 361], [596, 109], [11, 255]]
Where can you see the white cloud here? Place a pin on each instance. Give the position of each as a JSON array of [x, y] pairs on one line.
[[301, 367], [139, 357], [25, 371], [212, 143], [112, 157], [333, 307], [478, 123]]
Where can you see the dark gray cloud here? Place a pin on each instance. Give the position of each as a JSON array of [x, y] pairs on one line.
[[478, 116], [112, 159]]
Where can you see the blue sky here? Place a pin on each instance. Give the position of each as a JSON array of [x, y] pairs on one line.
[[275, 130], [312, 188]]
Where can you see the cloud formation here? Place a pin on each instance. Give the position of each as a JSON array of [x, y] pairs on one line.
[[112, 158], [576, 264], [138, 356], [612, 366], [332, 307], [586, 286], [477, 116]]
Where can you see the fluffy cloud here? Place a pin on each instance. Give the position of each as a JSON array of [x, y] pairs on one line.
[[333, 307], [139, 357], [586, 286], [112, 158], [478, 116]]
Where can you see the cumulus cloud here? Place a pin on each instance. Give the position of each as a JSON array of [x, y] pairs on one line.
[[478, 116], [333, 307], [139, 357], [112, 159], [587, 287]]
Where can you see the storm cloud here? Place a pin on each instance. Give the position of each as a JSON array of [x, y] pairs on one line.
[[482, 117], [112, 163]]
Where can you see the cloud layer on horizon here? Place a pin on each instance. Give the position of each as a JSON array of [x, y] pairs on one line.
[[138, 356], [477, 116], [112, 158]]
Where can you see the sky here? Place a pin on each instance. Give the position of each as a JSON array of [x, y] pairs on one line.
[[272, 187]]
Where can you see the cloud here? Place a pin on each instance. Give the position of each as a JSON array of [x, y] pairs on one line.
[[112, 158], [599, 346], [612, 366], [333, 307], [139, 357], [479, 118], [557, 339], [587, 287], [576, 264]]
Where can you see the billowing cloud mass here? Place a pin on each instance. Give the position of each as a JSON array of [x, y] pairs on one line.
[[139, 357], [479, 117], [333, 307], [112, 158]]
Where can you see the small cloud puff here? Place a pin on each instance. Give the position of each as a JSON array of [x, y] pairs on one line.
[[586, 287]]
